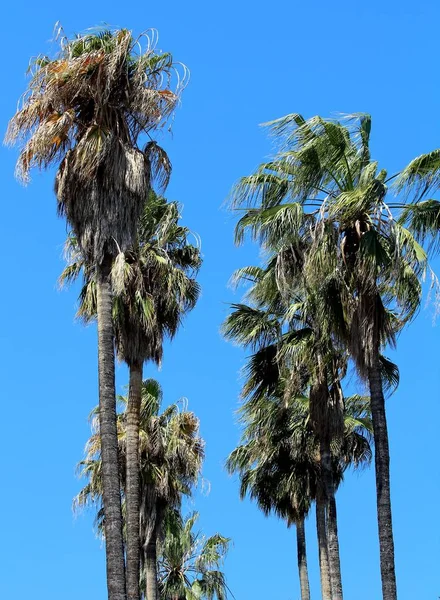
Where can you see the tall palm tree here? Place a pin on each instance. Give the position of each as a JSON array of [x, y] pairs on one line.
[[171, 455], [154, 288], [170, 466], [365, 262], [277, 470], [274, 464], [85, 109], [278, 463], [281, 458], [287, 325], [190, 564], [165, 264]]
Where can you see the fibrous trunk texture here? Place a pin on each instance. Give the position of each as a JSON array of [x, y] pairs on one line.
[[151, 582], [132, 481], [332, 528], [382, 465], [302, 560], [109, 438], [333, 549], [324, 570]]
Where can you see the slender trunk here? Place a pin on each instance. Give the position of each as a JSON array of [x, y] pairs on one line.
[[382, 464], [109, 438], [321, 526], [332, 529], [333, 549], [132, 483], [302, 560], [151, 583]]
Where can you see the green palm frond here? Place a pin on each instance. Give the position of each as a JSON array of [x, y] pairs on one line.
[[271, 224], [249, 274], [265, 186], [250, 326], [190, 564], [390, 374], [423, 219], [421, 176]]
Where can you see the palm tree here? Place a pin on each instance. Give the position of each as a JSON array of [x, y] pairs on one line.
[[86, 109], [171, 455], [280, 459], [154, 288], [189, 563], [277, 470], [279, 465], [365, 263], [171, 459], [165, 262], [287, 325]]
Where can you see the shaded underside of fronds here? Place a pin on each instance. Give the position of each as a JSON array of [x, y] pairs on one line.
[[103, 208]]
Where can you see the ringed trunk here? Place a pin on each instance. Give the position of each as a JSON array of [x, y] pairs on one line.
[[302, 560], [132, 481], [333, 549], [324, 570], [109, 438], [332, 528], [383, 493], [151, 583]]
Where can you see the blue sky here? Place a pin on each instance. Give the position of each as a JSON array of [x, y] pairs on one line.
[[250, 62]]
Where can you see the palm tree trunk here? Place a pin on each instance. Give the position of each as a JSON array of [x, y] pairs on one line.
[[333, 549], [132, 482], [109, 438], [332, 529], [382, 464], [321, 527], [151, 583], [302, 560]]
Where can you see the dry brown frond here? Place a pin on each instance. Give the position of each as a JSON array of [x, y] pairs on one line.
[[86, 108]]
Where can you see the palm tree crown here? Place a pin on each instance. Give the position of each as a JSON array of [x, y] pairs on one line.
[[171, 455], [87, 108], [189, 563], [154, 284]]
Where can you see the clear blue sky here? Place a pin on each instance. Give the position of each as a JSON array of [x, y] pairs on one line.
[[250, 62]]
